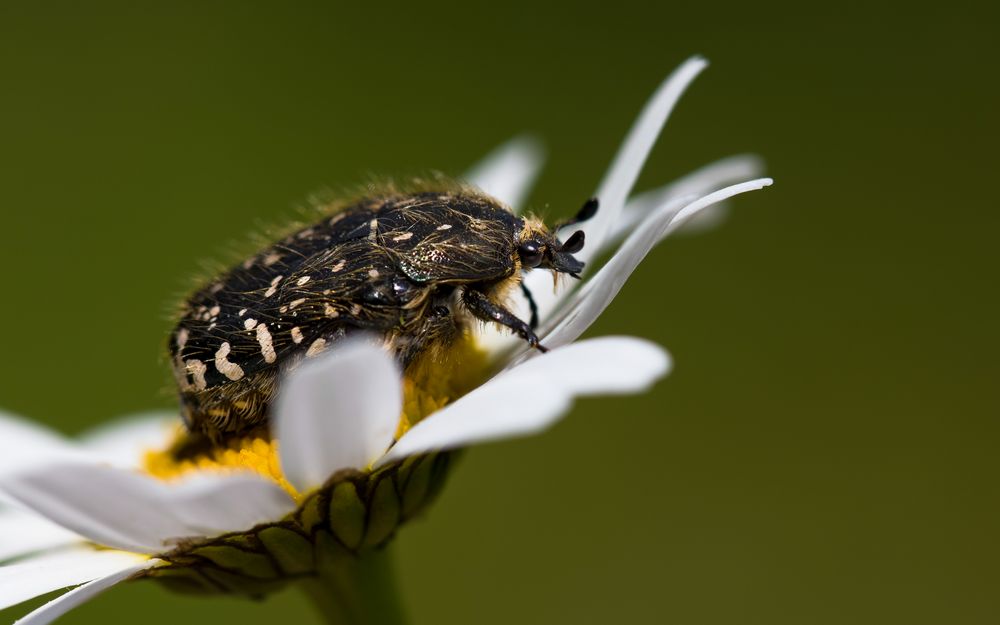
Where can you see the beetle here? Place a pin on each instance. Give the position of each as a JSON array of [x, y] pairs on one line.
[[415, 267]]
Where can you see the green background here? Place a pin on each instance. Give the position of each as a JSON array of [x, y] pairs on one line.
[[825, 451]]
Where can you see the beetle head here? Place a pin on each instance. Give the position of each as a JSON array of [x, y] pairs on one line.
[[541, 248]]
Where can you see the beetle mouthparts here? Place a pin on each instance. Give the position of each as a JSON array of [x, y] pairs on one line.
[[565, 263]]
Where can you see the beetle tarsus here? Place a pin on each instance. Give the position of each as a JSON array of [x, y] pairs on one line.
[[533, 322], [484, 309]]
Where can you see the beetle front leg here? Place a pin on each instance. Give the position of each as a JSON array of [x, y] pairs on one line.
[[485, 310], [531, 305]]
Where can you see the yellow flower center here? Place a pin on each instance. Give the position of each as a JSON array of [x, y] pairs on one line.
[[428, 385], [256, 454]]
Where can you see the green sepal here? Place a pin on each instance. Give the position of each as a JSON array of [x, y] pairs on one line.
[[183, 579], [345, 523], [239, 584], [331, 555], [415, 489], [247, 563], [347, 514], [293, 553], [310, 515], [405, 467], [383, 512]]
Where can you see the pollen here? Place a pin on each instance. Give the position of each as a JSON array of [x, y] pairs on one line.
[[256, 454], [439, 378]]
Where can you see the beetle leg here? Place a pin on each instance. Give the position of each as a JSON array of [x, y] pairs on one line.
[[532, 305], [482, 308]]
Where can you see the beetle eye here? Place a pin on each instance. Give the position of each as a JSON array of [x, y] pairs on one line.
[[531, 255]]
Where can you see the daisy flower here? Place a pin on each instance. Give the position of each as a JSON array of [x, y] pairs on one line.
[[355, 448]]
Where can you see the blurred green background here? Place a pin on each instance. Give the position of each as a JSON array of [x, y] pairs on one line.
[[825, 451]]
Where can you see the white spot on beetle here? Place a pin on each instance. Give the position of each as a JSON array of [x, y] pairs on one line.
[[243, 311], [298, 302], [229, 369], [274, 287], [249, 324], [271, 258], [355, 309], [297, 335], [182, 338], [403, 237], [338, 266], [372, 230], [303, 280], [373, 274], [214, 311], [317, 347], [330, 311], [197, 370], [266, 343], [444, 227]]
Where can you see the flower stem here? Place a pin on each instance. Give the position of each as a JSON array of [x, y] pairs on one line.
[[356, 590]]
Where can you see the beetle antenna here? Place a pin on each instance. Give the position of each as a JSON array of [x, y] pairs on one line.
[[588, 210], [574, 243]]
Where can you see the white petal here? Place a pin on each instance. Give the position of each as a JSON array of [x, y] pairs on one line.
[[607, 365], [624, 171], [24, 443], [339, 411], [28, 579], [23, 532], [709, 219], [698, 183], [133, 512], [508, 172], [604, 228], [78, 596], [587, 303], [123, 442], [530, 398]]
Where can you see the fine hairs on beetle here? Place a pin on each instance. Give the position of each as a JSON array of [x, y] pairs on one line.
[[414, 267]]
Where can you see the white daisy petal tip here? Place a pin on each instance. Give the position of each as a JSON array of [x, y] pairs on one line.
[[82, 594], [339, 411], [701, 204], [124, 442], [627, 164], [126, 510], [702, 181], [586, 304], [72, 566], [607, 365], [708, 219], [544, 386], [24, 443], [23, 532], [509, 171]]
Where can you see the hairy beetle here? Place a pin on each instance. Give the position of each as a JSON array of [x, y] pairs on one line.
[[414, 267]]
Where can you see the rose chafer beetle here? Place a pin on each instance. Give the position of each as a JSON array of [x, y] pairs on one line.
[[414, 267]]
